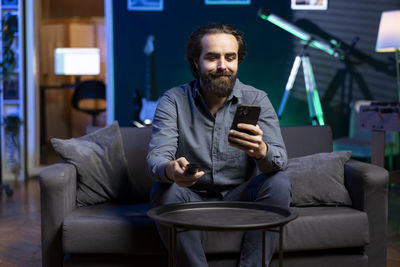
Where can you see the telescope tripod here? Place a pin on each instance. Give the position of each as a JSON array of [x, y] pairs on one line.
[[314, 103]]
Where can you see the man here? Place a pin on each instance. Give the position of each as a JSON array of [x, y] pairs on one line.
[[192, 125]]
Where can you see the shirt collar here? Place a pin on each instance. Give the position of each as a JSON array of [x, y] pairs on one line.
[[236, 92], [195, 90]]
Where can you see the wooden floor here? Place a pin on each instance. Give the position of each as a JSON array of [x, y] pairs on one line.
[[20, 243], [20, 227]]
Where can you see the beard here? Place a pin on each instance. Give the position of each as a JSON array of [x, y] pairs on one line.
[[219, 83]]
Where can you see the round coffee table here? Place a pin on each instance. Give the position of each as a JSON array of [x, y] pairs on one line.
[[222, 216]]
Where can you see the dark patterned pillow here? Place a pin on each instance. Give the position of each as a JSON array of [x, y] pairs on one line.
[[318, 179], [100, 162]]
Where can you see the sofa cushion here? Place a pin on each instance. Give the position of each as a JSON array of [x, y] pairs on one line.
[[319, 228], [112, 229], [136, 142], [101, 165], [324, 259], [319, 179]]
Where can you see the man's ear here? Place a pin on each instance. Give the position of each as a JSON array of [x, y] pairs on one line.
[[196, 63]]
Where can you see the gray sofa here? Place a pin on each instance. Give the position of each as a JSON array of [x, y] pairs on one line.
[[113, 234]]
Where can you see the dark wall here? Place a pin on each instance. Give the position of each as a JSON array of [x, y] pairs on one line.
[[269, 49], [271, 52]]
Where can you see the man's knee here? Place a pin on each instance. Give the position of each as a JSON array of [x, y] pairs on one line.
[[280, 181], [162, 194], [277, 189]]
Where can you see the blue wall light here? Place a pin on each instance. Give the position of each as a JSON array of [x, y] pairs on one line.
[[227, 2], [145, 5]]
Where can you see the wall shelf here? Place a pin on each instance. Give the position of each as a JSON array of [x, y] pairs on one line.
[[11, 98], [11, 102]]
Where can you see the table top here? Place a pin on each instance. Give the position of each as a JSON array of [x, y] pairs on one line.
[[222, 215]]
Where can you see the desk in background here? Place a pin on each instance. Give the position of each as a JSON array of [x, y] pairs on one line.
[[380, 117]]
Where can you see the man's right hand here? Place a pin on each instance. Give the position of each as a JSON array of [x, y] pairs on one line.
[[175, 171]]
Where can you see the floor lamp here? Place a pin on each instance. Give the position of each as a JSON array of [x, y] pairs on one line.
[[389, 39]]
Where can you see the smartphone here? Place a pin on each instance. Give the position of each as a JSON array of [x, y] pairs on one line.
[[246, 114], [192, 168]]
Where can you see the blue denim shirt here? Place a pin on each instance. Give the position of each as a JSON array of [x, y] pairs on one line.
[[184, 127]]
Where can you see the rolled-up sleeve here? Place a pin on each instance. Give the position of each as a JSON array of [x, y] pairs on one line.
[[276, 157], [163, 144]]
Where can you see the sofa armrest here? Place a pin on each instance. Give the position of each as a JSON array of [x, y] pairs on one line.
[[368, 188], [57, 199]]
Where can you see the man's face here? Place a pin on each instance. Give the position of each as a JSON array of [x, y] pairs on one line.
[[218, 63]]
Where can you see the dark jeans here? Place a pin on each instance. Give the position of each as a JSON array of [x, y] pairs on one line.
[[271, 189]]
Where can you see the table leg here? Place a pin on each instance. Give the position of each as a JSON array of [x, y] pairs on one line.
[[172, 247], [280, 246], [263, 249], [170, 260]]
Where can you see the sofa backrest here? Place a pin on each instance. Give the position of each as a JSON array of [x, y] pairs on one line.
[[299, 141], [306, 140], [136, 141]]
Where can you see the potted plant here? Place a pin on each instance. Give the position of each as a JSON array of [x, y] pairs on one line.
[[12, 125], [9, 29], [8, 64]]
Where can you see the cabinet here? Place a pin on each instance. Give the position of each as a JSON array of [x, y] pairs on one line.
[[11, 91]]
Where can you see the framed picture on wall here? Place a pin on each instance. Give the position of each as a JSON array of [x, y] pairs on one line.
[[146, 5], [310, 4], [227, 2]]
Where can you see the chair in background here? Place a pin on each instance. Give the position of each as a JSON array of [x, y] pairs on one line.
[[90, 97], [359, 139]]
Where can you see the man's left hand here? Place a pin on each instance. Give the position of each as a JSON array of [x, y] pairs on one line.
[[250, 142]]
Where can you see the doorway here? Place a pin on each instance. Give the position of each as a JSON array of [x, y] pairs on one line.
[[66, 24], [74, 19]]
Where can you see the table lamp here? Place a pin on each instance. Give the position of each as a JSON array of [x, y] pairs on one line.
[[389, 38], [76, 62]]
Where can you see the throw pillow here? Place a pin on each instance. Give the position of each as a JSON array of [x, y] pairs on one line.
[[318, 179], [100, 162]]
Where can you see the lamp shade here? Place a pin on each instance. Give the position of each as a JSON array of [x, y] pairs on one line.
[[389, 32], [77, 61]]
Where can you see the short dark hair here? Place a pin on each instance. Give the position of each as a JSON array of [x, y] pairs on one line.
[[194, 49]]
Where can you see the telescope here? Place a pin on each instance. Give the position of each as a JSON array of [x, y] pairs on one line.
[[331, 48], [313, 100]]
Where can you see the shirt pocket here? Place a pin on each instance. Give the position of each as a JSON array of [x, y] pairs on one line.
[[229, 152]]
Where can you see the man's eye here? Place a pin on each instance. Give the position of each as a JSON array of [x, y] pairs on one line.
[[230, 58], [211, 58]]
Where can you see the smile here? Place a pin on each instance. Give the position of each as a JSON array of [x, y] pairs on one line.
[[222, 76]]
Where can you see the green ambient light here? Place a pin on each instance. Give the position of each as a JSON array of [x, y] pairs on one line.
[[329, 48], [318, 108], [286, 27]]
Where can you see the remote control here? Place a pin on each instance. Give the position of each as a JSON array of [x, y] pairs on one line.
[[192, 168]]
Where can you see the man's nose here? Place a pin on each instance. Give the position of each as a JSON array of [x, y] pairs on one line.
[[222, 64]]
